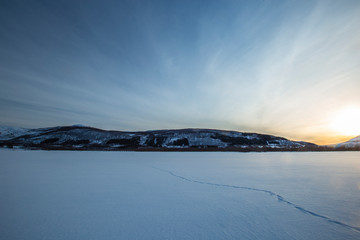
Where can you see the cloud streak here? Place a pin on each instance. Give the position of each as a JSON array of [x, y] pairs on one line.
[[251, 66]]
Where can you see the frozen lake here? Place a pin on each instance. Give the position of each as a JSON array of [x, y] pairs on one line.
[[158, 195]]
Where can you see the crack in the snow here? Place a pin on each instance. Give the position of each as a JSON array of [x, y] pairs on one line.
[[279, 197]]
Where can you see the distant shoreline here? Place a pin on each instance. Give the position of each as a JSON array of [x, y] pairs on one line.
[[53, 148]]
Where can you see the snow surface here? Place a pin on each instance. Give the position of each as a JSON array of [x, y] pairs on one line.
[[183, 195]]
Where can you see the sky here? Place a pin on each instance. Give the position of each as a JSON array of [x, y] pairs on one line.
[[286, 68]]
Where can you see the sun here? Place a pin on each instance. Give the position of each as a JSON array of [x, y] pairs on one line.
[[347, 121]]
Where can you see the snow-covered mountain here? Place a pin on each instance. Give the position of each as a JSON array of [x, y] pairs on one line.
[[12, 132], [79, 137], [352, 143]]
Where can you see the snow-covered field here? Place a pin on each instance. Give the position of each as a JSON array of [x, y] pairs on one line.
[[136, 195]]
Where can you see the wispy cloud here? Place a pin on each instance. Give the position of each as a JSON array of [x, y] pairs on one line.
[[253, 66]]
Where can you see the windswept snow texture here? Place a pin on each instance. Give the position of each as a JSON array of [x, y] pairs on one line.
[[179, 195]]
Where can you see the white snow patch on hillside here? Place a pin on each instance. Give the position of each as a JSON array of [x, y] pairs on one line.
[[12, 132]]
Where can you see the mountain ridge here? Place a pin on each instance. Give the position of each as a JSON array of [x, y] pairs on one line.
[[80, 137]]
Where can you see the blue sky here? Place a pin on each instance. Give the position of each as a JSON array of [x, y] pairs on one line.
[[287, 68]]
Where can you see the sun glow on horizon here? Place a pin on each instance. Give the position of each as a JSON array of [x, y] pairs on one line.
[[347, 121]]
